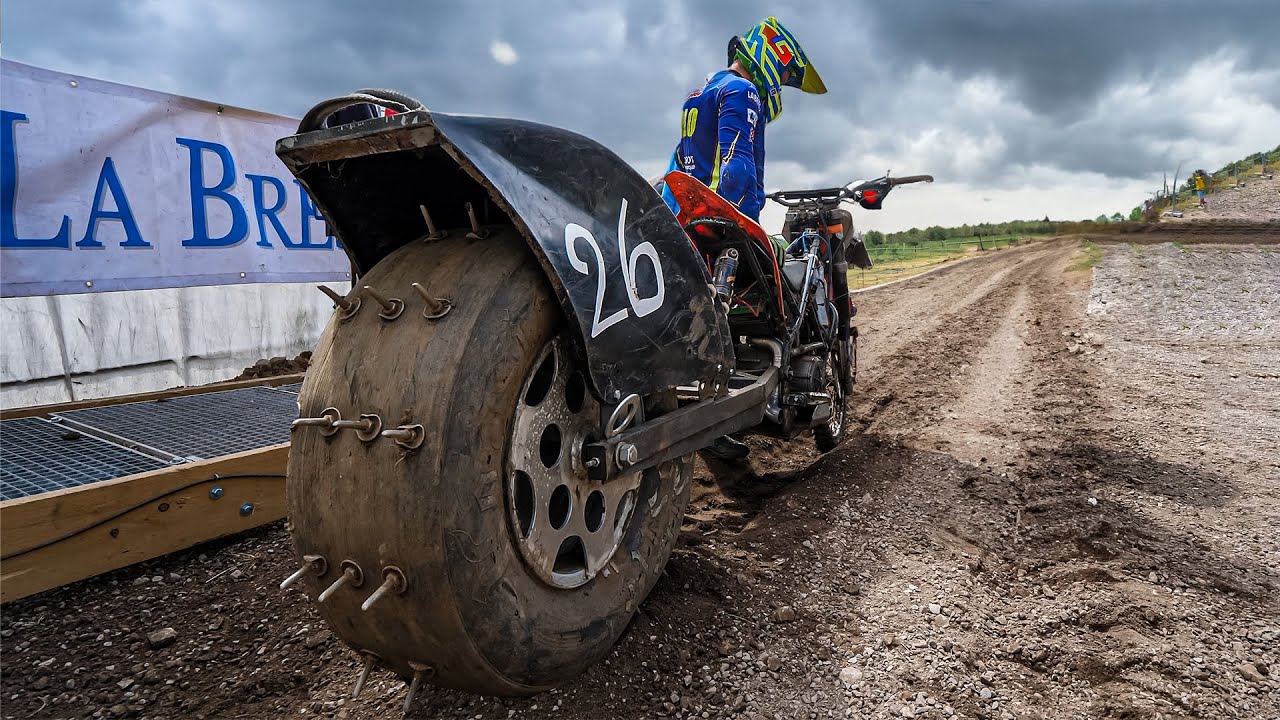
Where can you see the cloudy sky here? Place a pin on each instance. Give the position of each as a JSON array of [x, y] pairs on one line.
[[1020, 108]]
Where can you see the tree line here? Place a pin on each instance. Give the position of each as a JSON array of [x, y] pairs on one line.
[[936, 233]]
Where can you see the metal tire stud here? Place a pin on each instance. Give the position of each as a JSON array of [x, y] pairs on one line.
[[436, 308], [420, 670], [477, 232], [391, 307], [393, 582], [368, 660], [348, 306], [367, 427], [409, 437], [433, 233], [325, 422], [351, 575], [314, 564]]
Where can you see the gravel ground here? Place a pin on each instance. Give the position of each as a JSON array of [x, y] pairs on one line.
[[1061, 504]]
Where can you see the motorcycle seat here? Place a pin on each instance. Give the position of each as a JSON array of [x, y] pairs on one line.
[[696, 200]]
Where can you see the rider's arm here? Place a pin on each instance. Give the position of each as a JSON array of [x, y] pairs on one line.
[[734, 178]]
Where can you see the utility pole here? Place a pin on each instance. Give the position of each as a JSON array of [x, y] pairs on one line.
[[1173, 204]]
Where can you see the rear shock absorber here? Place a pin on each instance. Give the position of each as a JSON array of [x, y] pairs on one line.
[[726, 272]]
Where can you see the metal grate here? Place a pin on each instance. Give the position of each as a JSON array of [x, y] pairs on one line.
[[294, 388], [200, 426], [38, 456]]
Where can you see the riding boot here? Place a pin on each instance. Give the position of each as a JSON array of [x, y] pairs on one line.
[[727, 449]]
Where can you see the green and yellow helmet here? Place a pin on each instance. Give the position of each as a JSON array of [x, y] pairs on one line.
[[774, 57]]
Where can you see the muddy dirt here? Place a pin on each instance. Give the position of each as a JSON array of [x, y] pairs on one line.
[[276, 366], [1061, 502]]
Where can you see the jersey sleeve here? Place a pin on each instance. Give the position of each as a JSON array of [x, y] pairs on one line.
[[734, 176]]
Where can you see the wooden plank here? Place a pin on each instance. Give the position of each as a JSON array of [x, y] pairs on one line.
[[55, 538], [10, 413]]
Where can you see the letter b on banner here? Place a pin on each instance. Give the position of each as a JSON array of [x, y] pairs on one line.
[[200, 195]]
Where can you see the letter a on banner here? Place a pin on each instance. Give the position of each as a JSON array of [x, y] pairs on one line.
[[108, 179]]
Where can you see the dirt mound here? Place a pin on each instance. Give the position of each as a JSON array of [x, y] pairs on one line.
[[276, 366]]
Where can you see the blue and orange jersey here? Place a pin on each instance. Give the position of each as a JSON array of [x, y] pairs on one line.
[[722, 141]]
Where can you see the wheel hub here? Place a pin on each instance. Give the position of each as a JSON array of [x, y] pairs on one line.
[[566, 526]]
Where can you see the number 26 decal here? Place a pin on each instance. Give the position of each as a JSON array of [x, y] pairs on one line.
[[640, 305]]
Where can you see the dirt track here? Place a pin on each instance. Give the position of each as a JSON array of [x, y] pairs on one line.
[[1057, 507]]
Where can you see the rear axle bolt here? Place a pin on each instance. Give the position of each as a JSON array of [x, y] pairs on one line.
[[627, 455]]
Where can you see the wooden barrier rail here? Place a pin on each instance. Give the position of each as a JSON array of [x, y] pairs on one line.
[[55, 538]]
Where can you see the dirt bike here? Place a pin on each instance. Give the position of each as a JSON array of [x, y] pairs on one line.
[[497, 432]]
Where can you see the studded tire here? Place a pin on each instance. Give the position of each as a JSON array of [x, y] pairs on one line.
[[479, 608]]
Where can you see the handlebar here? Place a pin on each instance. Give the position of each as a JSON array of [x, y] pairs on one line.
[[792, 198], [910, 179]]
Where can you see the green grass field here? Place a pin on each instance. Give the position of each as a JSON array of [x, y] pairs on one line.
[[892, 262]]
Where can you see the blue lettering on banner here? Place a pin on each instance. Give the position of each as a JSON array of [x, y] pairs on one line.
[[108, 179], [201, 194], [268, 214], [9, 193], [309, 212]]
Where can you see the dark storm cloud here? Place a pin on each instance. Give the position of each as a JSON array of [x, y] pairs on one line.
[[970, 89], [1060, 55]]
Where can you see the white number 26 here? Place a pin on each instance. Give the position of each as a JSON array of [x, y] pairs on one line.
[[641, 305]]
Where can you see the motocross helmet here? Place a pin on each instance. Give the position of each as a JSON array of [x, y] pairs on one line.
[[769, 51]]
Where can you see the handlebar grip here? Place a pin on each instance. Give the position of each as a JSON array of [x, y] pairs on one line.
[[910, 179]]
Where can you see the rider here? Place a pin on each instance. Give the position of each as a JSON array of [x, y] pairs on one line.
[[722, 129], [722, 124]]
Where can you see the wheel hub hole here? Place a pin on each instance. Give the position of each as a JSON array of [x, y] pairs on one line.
[[540, 385], [575, 392], [572, 556], [594, 514], [558, 507], [522, 498], [549, 446]]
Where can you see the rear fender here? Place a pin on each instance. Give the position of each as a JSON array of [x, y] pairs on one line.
[[622, 267]]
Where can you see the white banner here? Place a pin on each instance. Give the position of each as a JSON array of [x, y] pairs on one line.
[[105, 187]]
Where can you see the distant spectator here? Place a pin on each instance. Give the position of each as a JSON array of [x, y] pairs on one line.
[[1200, 188]]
